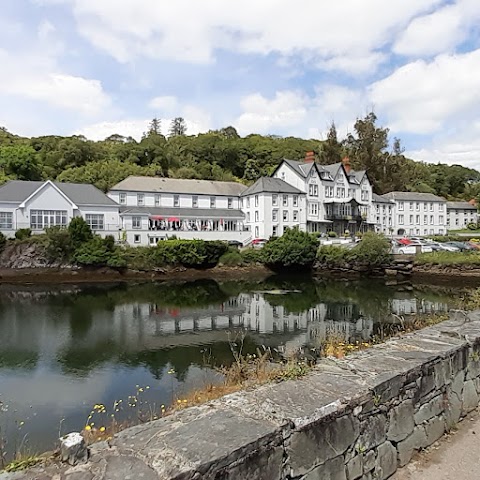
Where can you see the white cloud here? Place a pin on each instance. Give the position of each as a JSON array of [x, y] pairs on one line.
[[166, 103], [193, 31], [421, 97], [440, 31]]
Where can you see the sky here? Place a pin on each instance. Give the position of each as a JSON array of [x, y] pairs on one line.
[[281, 67]]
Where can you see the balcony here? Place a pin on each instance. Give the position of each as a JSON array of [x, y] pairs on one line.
[[357, 217]]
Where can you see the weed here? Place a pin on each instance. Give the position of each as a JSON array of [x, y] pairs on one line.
[[22, 463]]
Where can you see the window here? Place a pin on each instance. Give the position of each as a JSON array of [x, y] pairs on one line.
[[6, 220], [417, 207], [137, 222], [256, 215], [95, 221], [425, 219], [295, 215], [313, 209], [256, 232], [40, 219], [274, 200], [136, 239], [313, 190], [256, 200], [212, 202], [440, 207], [248, 217], [411, 219], [389, 210], [400, 219], [283, 176], [424, 206], [123, 198], [417, 220], [295, 200], [274, 215], [230, 202], [285, 215], [275, 230], [365, 195], [157, 200], [411, 206], [432, 231], [457, 221], [440, 219], [195, 201], [351, 193], [140, 199], [329, 192], [400, 206], [431, 207], [285, 200], [432, 220], [176, 200]]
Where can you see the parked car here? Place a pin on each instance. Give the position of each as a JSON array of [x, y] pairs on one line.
[[402, 249], [258, 242], [424, 248], [462, 246], [442, 247], [235, 243]]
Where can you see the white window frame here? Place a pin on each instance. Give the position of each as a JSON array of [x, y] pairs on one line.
[[274, 215], [194, 201], [140, 199], [295, 200], [6, 220], [213, 202], [285, 215], [157, 200], [96, 221], [401, 206], [285, 200], [136, 222], [230, 202], [176, 201], [274, 200], [42, 219], [122, 198], [295, 215], [137, 238]]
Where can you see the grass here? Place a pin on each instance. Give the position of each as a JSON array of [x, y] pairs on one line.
[[22, 462], [449, 258], [464, 230]]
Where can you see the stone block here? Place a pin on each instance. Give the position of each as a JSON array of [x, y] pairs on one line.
[[368, 461], [453, 401], [266, 464], [355, 468], [434, 429], [373, 432], [386, 463], [429, 410], [469, 397], [473, 369], [407, 447], [401, 422], [73, 449], [317, 443], [442, 373], [333, 469], [126, 467]]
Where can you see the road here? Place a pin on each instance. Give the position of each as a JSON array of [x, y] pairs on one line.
[[455, 457]]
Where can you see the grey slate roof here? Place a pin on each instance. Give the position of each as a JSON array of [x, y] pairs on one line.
[[184, 212], [16, 191], [296, 166], [460, 206], [381, 199], [178, 185], [414, 197], [271, 185]]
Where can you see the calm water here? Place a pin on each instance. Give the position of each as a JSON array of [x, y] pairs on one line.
[[65, 349]]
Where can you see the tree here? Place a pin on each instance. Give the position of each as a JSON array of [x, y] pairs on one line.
[[331, 150], [80, 232], [178, 127], [155, 127], [293, 250], [20, 161]]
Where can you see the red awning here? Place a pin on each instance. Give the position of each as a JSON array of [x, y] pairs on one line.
[[173, 219], [156, 217]]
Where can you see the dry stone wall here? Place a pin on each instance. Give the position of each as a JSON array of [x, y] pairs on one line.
[[361, 417]]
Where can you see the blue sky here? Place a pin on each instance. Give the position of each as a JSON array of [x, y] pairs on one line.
[[285, 67]]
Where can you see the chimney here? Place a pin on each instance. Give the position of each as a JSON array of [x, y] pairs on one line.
[[346, 165], [473, 202], [309, 157]]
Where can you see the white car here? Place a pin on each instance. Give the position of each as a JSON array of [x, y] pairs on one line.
[[400, 249]]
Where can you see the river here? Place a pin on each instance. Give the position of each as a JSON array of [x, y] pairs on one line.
[[65, 349]]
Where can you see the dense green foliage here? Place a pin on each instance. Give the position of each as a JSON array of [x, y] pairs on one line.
[[224, 155], [23, 233], [373, 250], [232, 258], [449, 258], [79, 231], [294, 249], [3, 241], [100, 252], [455, 238]]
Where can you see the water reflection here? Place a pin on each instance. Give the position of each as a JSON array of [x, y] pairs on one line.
[[64, 349]]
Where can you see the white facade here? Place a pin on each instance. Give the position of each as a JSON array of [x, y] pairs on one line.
[[460, 214], [384, 210], [38, 205], [418, 214]]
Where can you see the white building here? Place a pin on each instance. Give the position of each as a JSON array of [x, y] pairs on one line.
[[272, 205], [418, 213], [155, 208], [384, 209], [337, 198], [460, 214], [38, 205]]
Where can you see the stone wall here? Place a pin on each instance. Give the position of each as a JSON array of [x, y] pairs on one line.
[[401, 268], [356, 418]]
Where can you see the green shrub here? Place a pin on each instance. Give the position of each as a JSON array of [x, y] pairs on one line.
[[80, 231], [23, 233], [58, 243], [333, 254], [3, 241], [332, 234], [231, 259], [294, 249], [251, 255], [99, 252], [472, 226], [374, 249], [449, 258], [454, 238]]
